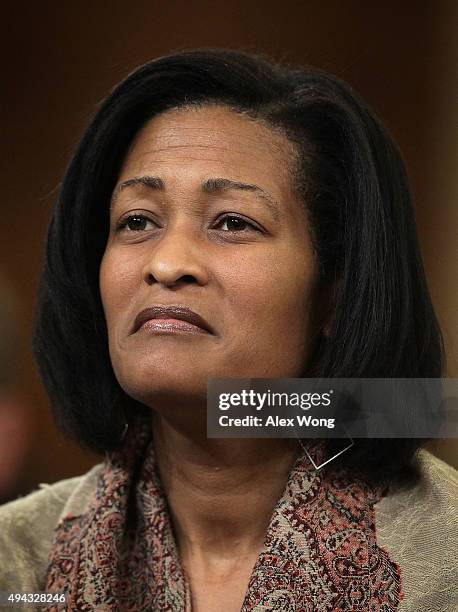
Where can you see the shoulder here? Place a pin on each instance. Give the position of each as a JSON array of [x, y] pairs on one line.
[[417, 527], [27, 528], [436, 490], [436, 471]]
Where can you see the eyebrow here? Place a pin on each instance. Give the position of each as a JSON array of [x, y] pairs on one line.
[[211, 185]]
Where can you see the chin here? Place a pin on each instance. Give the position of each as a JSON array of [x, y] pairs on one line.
[[154, 386]]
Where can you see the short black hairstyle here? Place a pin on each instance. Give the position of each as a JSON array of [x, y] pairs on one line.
[[355, 190]]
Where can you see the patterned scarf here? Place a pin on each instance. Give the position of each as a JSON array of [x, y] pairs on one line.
[[320, 551]]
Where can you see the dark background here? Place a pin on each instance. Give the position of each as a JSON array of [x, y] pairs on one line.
[[61, 58]]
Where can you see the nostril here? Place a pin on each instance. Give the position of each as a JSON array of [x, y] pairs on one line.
[[185, 279]]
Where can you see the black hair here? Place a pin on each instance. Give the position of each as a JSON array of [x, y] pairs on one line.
[[355, 190]]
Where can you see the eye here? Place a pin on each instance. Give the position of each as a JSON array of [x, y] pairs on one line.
[[236, 224], [134, 223]]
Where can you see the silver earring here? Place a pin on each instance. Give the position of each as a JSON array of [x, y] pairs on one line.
[[318, 467], [124, 433]]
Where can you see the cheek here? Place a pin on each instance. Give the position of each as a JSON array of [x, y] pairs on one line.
[[273, 292], [270, 333], [117, 281]]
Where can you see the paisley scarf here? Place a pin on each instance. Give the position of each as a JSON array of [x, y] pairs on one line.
[[320, 551]]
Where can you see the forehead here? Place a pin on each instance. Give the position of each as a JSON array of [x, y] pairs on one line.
[[197, 141]]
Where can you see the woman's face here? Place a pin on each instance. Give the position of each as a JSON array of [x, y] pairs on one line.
[[173, 241]]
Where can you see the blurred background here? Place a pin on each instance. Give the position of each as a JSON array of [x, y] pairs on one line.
[[61, 58]]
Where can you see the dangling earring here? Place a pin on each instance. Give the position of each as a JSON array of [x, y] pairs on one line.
[[124, 433], [318, 467]]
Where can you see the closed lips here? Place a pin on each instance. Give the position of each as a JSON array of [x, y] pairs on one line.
[[181, 313]]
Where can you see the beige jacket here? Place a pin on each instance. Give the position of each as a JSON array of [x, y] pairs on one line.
[[417, 527]]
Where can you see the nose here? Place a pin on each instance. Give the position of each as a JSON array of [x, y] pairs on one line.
[[176, 258]]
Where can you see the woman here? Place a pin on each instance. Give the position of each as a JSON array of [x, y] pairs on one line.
[[226, 217]]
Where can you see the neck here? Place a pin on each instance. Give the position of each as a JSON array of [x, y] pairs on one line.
[[221, 492]]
